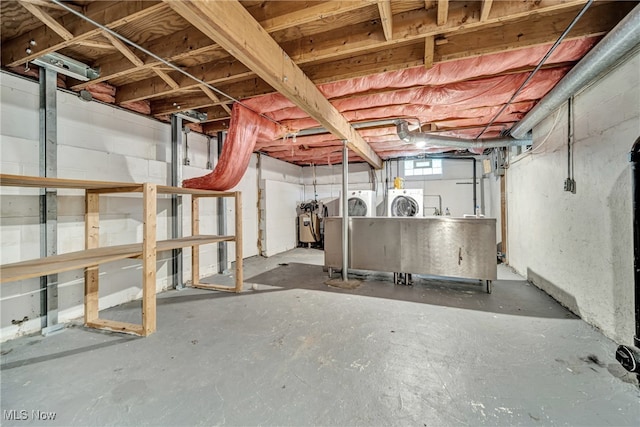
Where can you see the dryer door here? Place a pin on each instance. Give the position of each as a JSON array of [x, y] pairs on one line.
[[404, 206], [357, 207]]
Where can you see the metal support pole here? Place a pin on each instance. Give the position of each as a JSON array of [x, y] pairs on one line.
[[475, 190], [48, 197], [222, 217], [176, 200], [345, 212]]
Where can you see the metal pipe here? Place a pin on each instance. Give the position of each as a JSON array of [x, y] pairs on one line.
[[540, 64], [634, 158], [345, 211], [427, 139], [475, 189], [624, 37]]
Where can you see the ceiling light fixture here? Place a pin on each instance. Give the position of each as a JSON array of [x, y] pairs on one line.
[[67, 66]]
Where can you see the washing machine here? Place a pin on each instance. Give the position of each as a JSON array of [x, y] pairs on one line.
[[405, 202], [361, 203]]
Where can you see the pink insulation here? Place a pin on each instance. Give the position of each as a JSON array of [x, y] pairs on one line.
[[245, 129], [456, 99]]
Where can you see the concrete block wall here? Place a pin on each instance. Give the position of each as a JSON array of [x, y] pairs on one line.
[[578, 247], [99, 142]]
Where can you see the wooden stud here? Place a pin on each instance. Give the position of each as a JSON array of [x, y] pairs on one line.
[[92, 240], [485, 9], [149, 259], [238, 235], [429, 50], [45, 3], [233, 28], [443, 12], [124, 49], [47, 20], [195, 231], [386, 17]]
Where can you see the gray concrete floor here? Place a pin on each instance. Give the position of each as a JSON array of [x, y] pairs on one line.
[[294, 351]]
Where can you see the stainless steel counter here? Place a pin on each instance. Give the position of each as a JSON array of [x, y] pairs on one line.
[[441, 246]]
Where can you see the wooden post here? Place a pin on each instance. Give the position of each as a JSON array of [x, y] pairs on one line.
[[91, 240], [195, 231], [238, 237], [149, 193]]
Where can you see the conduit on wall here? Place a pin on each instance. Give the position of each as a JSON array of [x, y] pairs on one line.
[[245, 128]]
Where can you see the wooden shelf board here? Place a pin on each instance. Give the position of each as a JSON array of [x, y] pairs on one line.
[[184, 242], [163, 189], [86, 258], [42, 182], [66, 262]]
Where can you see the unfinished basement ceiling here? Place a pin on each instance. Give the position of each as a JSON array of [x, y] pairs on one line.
[[449, 66]]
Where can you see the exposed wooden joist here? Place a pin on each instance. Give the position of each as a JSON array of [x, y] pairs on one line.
[[312, 13], [96, 44], [46, 3], [124, 49], [47, 40], [386, 17], [47, 20], [598, 20], [322, 49], [443, 12], [214, 98], [231, 26], [485, 9], [190, 42], [226, 70], [429, 51], [166, 78]]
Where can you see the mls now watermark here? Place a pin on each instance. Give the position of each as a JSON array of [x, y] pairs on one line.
[[24, 415]]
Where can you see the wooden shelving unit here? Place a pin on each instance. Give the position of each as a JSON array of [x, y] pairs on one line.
[[94, 255]]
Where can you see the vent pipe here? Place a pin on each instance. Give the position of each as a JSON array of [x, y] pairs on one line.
[[623, 38], [423, 139]]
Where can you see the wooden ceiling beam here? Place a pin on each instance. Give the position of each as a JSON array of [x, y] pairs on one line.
[[597, 21], [166, 78], [215, 98], [485, 9], [304, 51], [408, 26], [111, 14], [233, 28], [312, 13], [386, 17], [48, 4], [124, 49], [47, 19], [191, 42], [443, 12], [429, 51]]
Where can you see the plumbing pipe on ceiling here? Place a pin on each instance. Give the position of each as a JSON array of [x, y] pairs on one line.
[[620, 40], [422, 139]]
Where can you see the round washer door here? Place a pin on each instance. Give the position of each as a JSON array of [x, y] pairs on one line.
[[357, 207], [404, 206]]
